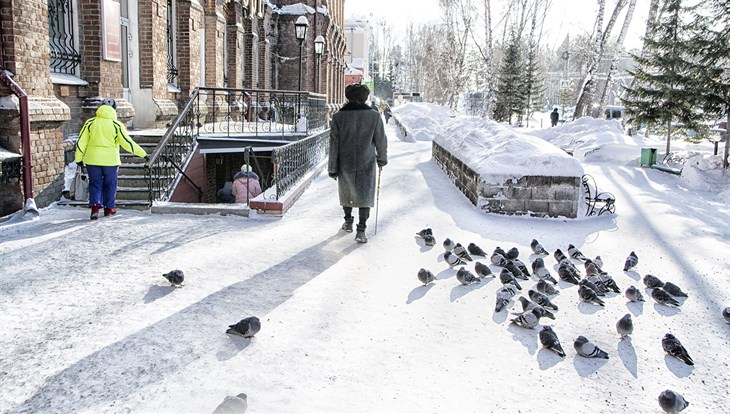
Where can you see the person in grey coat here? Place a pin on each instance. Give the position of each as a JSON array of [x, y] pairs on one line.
[[357, 145]]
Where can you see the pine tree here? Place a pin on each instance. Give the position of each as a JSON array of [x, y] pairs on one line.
[[662, 92], [509, 94]]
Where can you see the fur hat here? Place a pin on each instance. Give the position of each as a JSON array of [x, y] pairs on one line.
[[357, 92], [246, 168]]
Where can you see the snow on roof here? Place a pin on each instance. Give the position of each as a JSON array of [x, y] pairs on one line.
[[297, 9], [349, 70], [492, 149]]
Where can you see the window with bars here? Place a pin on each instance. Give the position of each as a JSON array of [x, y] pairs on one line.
[[172, 71], [65, 57]]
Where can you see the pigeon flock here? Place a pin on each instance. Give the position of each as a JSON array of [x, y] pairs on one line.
[[594, 286]]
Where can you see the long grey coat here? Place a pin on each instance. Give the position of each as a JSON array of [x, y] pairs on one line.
[[358, 145]]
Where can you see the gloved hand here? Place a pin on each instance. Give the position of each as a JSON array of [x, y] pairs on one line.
[[333, 176], [80, 164], [147, 157]]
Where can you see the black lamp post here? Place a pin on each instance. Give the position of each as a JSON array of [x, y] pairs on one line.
[[318, 50], [300, 31]]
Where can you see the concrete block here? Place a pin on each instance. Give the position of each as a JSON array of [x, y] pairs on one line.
[[537, 207], [521, 193], [564, 209], [566, 193]]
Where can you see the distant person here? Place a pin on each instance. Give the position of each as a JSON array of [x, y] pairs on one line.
[[98, 148], [245, 185], [225, 194], [387, 114], [357, 146], [264, 114], [554, 116]]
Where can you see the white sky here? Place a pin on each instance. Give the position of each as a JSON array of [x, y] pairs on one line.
[[565, 16]]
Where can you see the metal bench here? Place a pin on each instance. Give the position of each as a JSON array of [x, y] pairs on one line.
[[597, 202]]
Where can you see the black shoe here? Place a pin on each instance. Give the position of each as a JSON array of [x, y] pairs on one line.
[[347, 226], [360, 237]]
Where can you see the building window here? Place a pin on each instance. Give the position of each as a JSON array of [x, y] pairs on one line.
[[65, 57], [172, 70]]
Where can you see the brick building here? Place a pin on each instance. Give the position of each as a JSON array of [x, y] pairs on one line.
[[149, 55]]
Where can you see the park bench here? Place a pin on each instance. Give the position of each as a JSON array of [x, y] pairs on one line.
[[597, 202]]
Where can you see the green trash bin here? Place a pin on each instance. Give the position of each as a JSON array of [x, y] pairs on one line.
[[648, 157]]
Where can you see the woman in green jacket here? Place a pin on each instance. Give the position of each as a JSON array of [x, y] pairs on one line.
[[98, 149]]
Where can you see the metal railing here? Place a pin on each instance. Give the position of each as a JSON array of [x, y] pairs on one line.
[[293, 161]]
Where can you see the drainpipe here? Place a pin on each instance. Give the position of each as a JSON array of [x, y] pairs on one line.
[[24, 133]]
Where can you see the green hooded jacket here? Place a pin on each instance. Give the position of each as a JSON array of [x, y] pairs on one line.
[[101, 137]]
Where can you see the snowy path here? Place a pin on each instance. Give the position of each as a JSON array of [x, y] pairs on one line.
[[89, 325]]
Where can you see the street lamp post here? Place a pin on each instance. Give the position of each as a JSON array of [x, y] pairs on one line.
[[300, 32], [318, 50]]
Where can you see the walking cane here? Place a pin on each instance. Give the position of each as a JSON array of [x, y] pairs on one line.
[[377, 199]]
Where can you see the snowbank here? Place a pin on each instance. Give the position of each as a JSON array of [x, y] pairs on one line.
[[705, 173], [492, 149], [423, 120]]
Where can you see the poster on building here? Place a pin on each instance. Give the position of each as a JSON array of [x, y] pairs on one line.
[[111, 31]]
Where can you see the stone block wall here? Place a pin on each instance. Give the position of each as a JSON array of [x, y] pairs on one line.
[[537, 196]]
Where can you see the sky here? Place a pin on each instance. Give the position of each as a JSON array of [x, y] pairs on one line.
[[89, 325], [565, 16]]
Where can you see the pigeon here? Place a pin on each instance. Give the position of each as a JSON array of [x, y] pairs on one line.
[[631, 262], [425, 276], [559, 255], [466, 277], [546, 288], [538, 268], [475, 250], [513, 253], [504, 295], [528, 305], [663, 298], [593, 286], [588, 295], [498, 259], [505, 276], [537, 247], [652, 281], [549, 340], [246, 327], [673, 347], [625, 326], [586, 349], [591, 268], [672, 402], [512, 267], [541, 299], [425, 232], [482, 270], [568, 273], [598, 261], [726, 314], [674, 290], [233, 405], [575, 253], [633, 294], [521, 266], [500, 251], [460, 251], [527, 320], [429, 240], [448, 244], [453, 260], [175, 277], [608, 282]]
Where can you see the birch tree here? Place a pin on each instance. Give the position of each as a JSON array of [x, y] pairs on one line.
[[614, 60]]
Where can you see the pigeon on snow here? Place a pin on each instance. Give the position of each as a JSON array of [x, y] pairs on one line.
[[525, 271], [505, 276], [429, 240], [559, 255], [631, 262], [516, 271], [568, 273], [504, 295], [588, 295], [591, 268], [593, 286], [537, 247], [528, 305], [527, 320], [482, 270], [673, 347], [246, 327], [425, 232], [498, 259], [672, 402], [549, 339], [586, 349], [466, 277], [460, 251], [453, 260], [726, 314], [598, 261], [175, 277], [607, 281], [448, 244], [544, 287], [475, 250], [663, 298], [541, 299], [674, 290], [625, 326], [233, 405], [633, 294], [500, 251], [425, 276], [538, 268], [575, 253], [513, 253], [652, 281]]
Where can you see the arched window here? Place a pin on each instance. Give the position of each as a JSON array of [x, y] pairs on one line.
[[62, 27], [172, 71]]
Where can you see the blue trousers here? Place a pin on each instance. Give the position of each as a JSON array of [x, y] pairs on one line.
[[103, 185]]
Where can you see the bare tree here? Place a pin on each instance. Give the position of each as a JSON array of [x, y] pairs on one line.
[[614, 61]]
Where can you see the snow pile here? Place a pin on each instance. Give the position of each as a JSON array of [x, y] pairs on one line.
[[298, 9], [705, 173], [591, 139], [422, 120], [492, 149]]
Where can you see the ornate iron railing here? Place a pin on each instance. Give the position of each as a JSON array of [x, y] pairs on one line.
[[172, 71], [293, 161], [11, 169], [64, 56]]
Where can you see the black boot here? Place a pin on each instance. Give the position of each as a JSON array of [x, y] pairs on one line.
[[347, 225], [360, 235]]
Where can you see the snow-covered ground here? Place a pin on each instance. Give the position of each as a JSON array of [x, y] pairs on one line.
[[90, 326]]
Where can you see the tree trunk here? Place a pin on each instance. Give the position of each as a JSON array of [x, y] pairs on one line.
[[727, 141], [669, 135], [489, 55], [614, 61]]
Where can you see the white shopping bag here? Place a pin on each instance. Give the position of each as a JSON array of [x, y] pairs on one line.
[[81, 185]]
